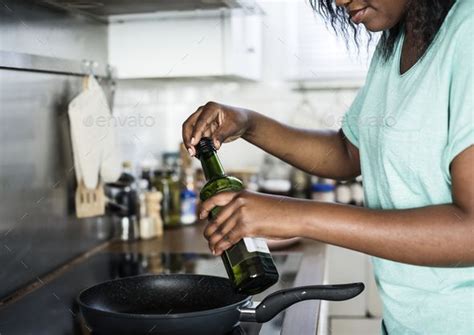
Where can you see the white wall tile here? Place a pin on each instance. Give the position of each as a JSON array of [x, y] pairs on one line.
[[151, 112]]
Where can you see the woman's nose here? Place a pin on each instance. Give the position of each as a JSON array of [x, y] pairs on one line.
[[343, 3]]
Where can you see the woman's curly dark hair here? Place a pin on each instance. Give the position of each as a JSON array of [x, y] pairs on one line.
[[424, 16]]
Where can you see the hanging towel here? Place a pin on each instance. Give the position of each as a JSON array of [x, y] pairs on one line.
[[95, 149]]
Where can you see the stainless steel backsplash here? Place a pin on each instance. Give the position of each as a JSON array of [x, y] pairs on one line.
[[38, 228]]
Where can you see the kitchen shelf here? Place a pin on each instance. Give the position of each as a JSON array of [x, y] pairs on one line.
[[106, 10], [28, 62]]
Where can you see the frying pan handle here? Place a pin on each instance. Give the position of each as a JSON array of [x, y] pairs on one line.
[[280, 300]]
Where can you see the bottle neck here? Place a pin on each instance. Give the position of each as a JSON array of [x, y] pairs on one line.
[[211, 165]]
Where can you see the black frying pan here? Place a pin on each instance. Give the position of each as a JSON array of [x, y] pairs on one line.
[[184, 304]]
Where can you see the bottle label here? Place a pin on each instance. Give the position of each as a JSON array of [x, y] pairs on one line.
[[245, 248], [256, 244]]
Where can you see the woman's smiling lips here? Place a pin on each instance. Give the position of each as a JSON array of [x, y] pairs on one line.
[[357, 15]]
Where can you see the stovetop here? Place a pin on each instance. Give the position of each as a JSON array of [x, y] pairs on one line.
[[239, 330], [52, 309]]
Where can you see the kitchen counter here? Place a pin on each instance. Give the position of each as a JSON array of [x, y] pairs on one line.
[[48, 307]]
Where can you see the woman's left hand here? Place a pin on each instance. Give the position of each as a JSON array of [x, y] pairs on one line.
[[245, 214]]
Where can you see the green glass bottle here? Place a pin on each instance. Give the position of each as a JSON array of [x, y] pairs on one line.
[[248, 263]]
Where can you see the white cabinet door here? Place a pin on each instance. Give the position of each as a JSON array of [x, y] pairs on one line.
[[243, 46], [347, 326], [347, 266], [200, 46], [374, 303]]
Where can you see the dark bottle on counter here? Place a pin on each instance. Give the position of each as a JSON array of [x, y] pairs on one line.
[[147, 175], [123, 204], [168, 184], [248, 263], [127, 177]]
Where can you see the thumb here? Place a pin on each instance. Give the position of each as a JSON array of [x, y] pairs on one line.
[[224, 132], [218, 138]]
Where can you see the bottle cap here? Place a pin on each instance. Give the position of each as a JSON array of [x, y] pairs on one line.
[[322, 188], [205, 145]]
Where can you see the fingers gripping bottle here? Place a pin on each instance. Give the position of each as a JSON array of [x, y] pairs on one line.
[[248, 263]]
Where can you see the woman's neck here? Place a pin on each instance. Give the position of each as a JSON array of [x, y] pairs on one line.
[[411, 52]]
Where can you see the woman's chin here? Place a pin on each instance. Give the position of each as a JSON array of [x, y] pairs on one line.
[[374, 26], [376, 23]]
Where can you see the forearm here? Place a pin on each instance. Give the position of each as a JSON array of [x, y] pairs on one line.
[[441, 235], [322, 153]]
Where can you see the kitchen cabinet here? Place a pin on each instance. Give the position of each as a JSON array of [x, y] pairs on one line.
[[346, 266], [212, 44], [363, 314], [347, 326]]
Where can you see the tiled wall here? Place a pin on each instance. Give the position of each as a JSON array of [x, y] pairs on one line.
[[149, 113]]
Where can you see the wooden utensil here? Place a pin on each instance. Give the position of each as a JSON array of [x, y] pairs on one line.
[[90, 202]]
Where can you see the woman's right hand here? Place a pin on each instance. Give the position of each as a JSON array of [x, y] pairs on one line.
[[220, 122]]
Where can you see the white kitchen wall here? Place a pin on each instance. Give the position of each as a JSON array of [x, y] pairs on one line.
[[149, 112]]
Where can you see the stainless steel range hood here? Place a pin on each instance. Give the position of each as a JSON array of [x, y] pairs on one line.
[[105, 9]]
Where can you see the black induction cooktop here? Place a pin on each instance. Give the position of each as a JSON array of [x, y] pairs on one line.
[[52, 309]]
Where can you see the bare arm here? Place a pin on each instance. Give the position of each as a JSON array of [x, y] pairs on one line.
[[323, 153], [439, 235], [435, 235]]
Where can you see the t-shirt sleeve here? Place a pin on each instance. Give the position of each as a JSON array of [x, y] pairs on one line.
[[350, 123], [461, 98]]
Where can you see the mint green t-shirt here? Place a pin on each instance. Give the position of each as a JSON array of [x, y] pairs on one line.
[[408, 129]]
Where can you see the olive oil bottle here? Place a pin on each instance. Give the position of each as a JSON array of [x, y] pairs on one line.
[[248, 263]]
